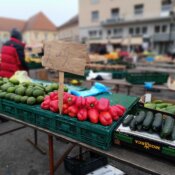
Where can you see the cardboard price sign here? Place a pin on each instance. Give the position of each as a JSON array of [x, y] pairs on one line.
[[64, 57]]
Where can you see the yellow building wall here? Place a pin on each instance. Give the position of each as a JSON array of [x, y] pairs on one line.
[[37, 37], [4, 36]]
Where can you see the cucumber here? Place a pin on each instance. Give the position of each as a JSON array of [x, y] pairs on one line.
[[171, 111], [139, 127], [133, 124], [157, 123], [128, 120], [157, 101], [167, 127], [148, 120], [173, 134], [150, 105], [140, 117]]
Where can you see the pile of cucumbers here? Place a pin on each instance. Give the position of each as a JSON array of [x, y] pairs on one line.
[[164, 126]]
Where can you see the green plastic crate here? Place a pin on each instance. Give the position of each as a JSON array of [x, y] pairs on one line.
[[92, 134], [141, 77]]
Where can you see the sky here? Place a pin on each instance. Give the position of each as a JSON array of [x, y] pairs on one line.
[[58, 11]]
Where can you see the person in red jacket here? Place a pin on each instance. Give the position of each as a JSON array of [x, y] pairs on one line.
[[12, 55]]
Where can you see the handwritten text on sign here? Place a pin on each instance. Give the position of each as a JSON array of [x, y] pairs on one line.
[[65, 57]]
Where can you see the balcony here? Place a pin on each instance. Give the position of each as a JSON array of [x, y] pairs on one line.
[[112, 21]]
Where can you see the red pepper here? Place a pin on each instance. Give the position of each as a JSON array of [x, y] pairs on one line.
[[47, 97], [72, 111], [65, 108], [119, 111], [114, 112], [54, 106], [80, 102], [45, 104], [54, 96], [103, 104], [69, 99], [121, 107], [93, 115], [105, 118], [82, 114], [91, 102]]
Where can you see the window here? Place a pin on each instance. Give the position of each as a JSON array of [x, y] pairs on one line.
[[94, 1], [131, 31], [138, 9], [109, 32], [100, 32], [115, 31], [115, 13], [92, 33], [137, 30], [45, 36], [157, 29], [95, 15], [166, 5], [144, 30], [164, 28]]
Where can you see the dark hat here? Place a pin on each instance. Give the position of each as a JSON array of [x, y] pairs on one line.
[[16, 34]]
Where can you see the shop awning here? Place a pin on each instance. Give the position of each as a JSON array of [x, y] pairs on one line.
[[132, 41], [116, 41], [97, 41]]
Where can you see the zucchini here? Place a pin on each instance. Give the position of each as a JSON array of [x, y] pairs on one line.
[[157, 123], [139, 127], [128, 120], [140, 117], [167, 127], [133, 124], [148, 120], [173, 134]]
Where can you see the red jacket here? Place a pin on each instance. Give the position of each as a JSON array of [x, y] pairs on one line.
[[10, 62]]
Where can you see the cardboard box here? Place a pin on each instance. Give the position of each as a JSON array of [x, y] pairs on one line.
[[144, 141]]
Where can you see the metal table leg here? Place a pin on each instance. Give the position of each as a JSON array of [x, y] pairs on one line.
[[35, 143], [12, 130], [51, 154]]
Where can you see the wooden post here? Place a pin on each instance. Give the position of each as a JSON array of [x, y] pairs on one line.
[[61, 90]]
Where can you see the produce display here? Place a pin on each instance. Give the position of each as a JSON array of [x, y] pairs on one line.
[[26, 92], [160, 105], [146, 121], [89, 108]]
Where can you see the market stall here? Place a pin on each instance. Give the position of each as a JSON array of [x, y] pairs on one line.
[[93, 118]]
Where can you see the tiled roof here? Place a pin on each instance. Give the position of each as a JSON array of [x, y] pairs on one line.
[[39, 22], [7, 24], [36, 22], [72, 21]]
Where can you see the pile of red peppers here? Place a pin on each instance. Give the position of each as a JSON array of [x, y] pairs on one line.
[[85, 108]]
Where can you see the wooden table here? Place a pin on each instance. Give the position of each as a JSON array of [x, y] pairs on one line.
[[147, 163], [129, 86]]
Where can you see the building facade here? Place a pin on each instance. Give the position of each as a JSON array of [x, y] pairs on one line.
[[35, 30], [127, 23], [69, 31]]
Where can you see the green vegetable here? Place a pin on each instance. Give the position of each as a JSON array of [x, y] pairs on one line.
[[139, 127], [157, 123], [148, 120], [140, 117], [133, 124], [167, 127], [157, 101], [128, 120], [31, 101], [150, 105], [173, 134], [38, 92]]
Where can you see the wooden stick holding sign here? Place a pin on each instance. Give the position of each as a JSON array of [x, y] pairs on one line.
[[64, 57], [61, 91]]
